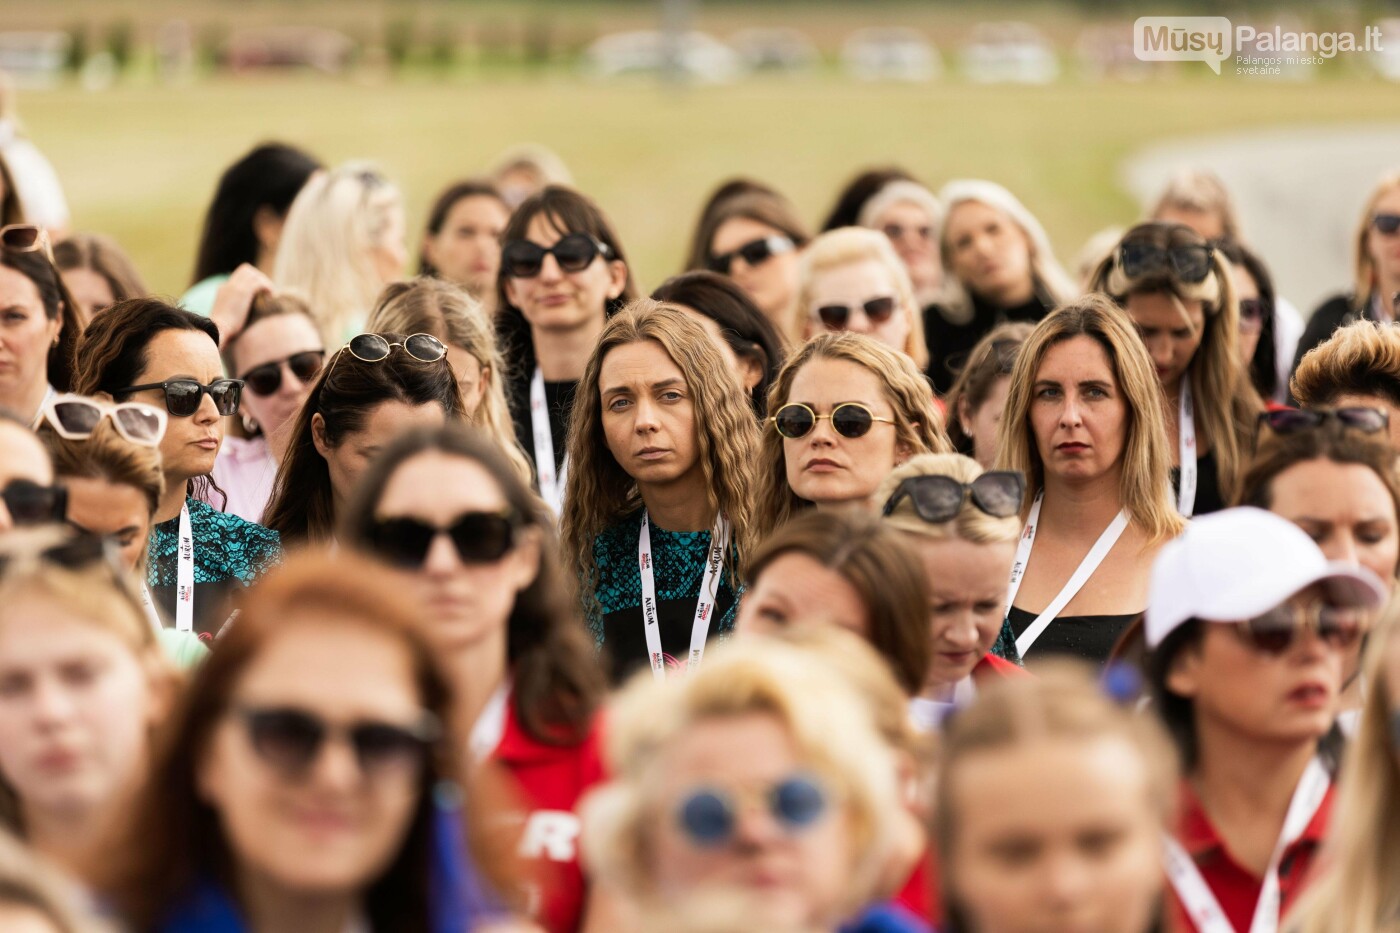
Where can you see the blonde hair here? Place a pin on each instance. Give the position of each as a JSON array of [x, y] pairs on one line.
[[599, 492], [427, 305], [918, 426], [327, 244], [970, 524], [1146, 459], [1061, 702], [1225, 401], [1201, 191], [1362, 358], [848, 246], [111, 458], [1364, 269], [1048, 274], [1358, 887], [827, 718]]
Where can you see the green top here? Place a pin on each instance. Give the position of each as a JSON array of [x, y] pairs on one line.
[[200, 297], [184, 649]]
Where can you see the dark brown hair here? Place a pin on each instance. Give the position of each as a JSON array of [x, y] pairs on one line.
[[11, 210], [174, 838], [471, 188], [58, 305], [883, 570], [557, 681], [569, 212], [993, 358], [302, 506], [860, 189]]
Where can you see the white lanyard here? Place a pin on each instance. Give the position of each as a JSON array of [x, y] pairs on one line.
[[1076, 582], [704, 606], [1186, 426], [1195, 895], [551, 483], [490, 725], [184, 574]]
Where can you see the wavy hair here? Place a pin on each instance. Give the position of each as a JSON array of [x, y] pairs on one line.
[[449, 312], [1224, 398], [302, 506], [1146, 460], [918, 425], [600, 492], [1362, 358], [327, 244], [847, 247], [1358, 889]]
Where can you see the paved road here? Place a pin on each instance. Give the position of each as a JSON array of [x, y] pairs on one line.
[[1300, 192]]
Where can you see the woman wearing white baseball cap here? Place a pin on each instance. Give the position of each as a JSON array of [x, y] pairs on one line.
[[1247, 625]]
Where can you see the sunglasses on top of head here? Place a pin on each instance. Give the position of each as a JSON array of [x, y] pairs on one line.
[[849, 419], [523, 259], [75, 417], [838, 317], [26, 238], [376, 348], [182, 396], [754, 252], [1187, 262], [266, 379], [938, 499], [1294, 420]]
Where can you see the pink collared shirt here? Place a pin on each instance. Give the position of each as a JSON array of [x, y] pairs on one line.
[[245, 471]]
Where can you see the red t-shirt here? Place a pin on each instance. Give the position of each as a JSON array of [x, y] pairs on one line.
[[551, 779], [1234, 886]]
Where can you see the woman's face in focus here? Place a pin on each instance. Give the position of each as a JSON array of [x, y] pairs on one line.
[[1079, 415], [26, 334], [801, 872], [273, 341], [332, 827], [191, 444], [967, 583], [1078, 848], [824, 466], [467, 603], [851, 287]]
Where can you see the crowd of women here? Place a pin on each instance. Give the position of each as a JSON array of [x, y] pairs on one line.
[[883, 578]]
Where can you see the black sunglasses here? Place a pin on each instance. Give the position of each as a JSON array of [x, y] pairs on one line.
[[266, 379], [849, 419], [290, 740], [1189, 263], [32, 504], [81, 550], [523, 259], [837, 317], [1275, 631], [479, 537], [753, 252], [1296, 420], [182, 396], [1389, 224], [1253, 312], [938, 499]]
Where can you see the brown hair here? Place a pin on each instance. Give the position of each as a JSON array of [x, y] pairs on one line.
[[993, 358], [437, 214], [882, 569], [58, 305], [1362, 358], [174, 837], [264, 306], [102, 255], [557, 682], [758, 203]]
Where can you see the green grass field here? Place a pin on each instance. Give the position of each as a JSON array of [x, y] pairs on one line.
[[140, 162]]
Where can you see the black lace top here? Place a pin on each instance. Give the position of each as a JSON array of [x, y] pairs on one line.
[[229, 551]]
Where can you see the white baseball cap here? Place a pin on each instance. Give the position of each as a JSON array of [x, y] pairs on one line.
[[1234, 565]]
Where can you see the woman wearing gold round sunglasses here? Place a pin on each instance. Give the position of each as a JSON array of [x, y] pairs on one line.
[[846, 410]]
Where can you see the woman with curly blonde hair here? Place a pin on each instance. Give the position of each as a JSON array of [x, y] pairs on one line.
[[661, 451], [1084, 424], [844, 411], [1179, 293], [433, 306]]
